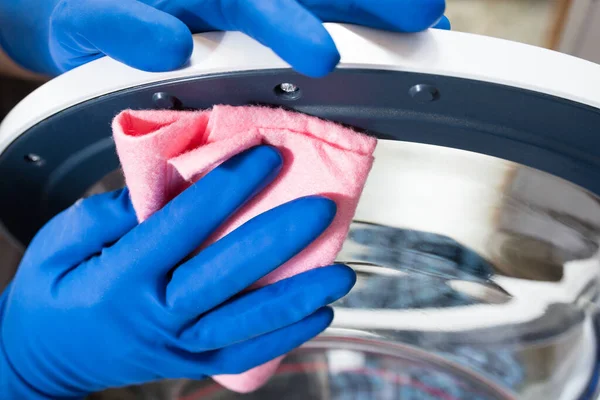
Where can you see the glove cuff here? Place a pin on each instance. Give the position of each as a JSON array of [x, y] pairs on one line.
[[12, 385]]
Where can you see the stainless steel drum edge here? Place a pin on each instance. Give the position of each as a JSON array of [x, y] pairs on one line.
[[435, 286]]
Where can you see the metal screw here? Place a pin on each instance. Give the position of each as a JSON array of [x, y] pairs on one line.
[[288, 91], [288, 87]]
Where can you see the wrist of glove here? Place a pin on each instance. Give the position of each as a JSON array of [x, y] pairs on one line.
[[12, 385], [53, 36], [100, 301]]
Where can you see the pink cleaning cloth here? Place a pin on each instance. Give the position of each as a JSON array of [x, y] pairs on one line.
[[163, 152]]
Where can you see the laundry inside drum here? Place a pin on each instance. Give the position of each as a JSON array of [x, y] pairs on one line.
[[478, 278]]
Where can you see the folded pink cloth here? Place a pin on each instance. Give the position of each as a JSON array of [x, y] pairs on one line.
[[163, 152]]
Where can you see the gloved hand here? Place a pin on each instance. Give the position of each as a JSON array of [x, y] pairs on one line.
[[100, 301], [53, 36]]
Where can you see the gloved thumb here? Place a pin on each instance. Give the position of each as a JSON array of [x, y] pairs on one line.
[[127, 30], [83, 230]]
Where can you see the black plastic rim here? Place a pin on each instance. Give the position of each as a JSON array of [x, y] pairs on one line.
[[52, 164]]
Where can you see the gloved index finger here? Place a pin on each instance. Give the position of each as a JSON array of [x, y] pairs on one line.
[[155, 246], [252, 251], [289, 29]]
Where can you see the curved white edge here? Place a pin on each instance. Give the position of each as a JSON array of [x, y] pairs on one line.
[[431, 52]]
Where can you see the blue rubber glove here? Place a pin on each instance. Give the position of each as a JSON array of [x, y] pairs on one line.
[[53, 36], [100, 301]]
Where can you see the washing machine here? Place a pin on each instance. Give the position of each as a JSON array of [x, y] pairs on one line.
[[476, 239]]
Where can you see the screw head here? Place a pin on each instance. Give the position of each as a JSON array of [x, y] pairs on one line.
[[424, 93], [164, 100], [288, 87], [288, 91]]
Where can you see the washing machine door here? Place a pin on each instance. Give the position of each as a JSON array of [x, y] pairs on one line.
[[475, 240]]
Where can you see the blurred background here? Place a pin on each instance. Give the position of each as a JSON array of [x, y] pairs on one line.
[[569, 26], [534, 22]]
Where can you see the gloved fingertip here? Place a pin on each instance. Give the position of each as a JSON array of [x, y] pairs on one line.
[[320, 63], [322, 318], [261, 161], [424, 15], [270, 155], [316, 210], [172, 51], [444, 24], [345, 279]]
